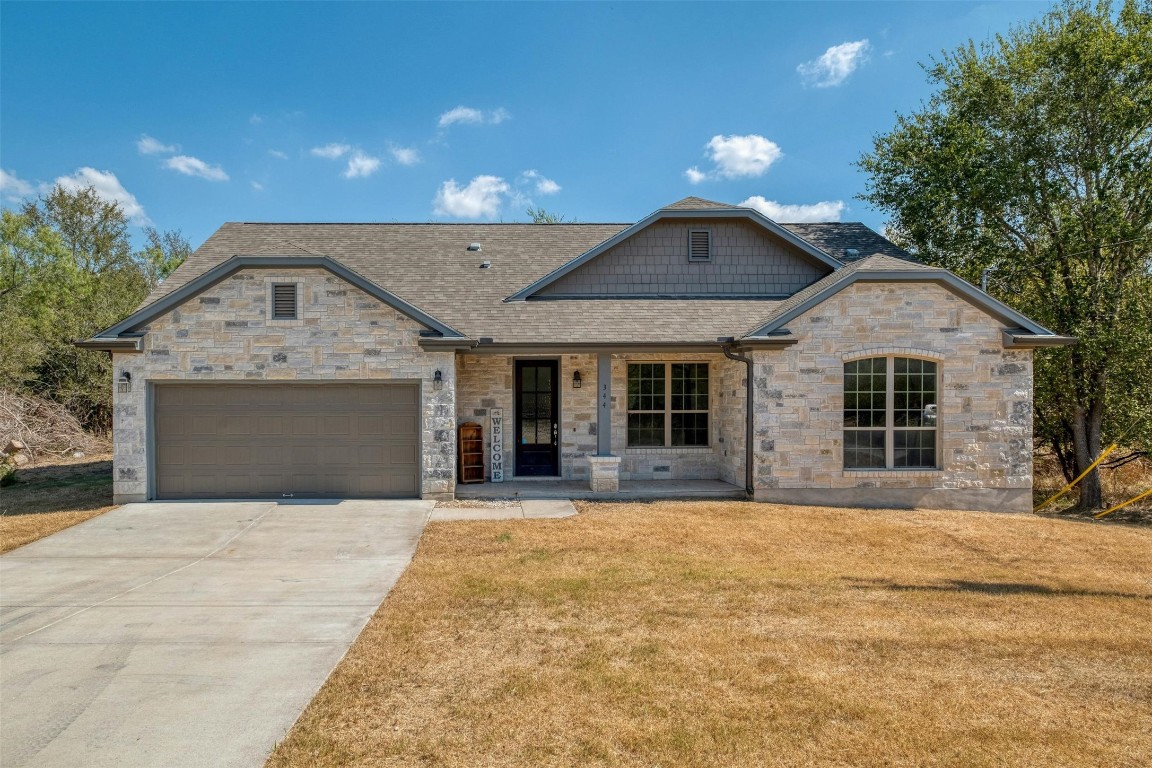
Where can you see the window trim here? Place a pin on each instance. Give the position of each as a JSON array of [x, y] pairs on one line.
[[272, 300], [667, 411], [890, 427], [696, 231]]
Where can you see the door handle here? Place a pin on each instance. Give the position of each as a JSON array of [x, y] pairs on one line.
[[555, 433]]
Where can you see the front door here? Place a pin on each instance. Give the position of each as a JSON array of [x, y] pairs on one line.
[[537, 418]]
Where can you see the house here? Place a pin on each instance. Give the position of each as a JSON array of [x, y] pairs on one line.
[[805, 363]]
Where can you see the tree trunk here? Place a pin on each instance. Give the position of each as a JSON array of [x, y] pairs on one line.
[[1086, 428]]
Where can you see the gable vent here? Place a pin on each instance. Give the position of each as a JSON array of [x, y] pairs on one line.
[[284, 301], [699, 245]]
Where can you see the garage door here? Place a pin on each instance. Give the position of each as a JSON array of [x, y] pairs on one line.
[[276, 440]]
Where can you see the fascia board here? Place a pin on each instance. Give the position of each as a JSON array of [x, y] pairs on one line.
[[204, 281], [956, 285], [727, 213], [1018, 338]]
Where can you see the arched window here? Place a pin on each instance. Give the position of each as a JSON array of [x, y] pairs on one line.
[[890, 413]]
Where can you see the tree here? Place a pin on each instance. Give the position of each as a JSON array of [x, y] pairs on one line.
[[1034, 158], [67, 271], [541, 216]]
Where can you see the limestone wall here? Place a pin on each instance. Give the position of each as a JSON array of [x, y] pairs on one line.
[[984, 408], [226, 333]]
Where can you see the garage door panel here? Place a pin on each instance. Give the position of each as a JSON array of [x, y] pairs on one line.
[[268, 440], [402, 425]]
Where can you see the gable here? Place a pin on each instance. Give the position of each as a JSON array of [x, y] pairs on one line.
[[197, 286], [746, 260]]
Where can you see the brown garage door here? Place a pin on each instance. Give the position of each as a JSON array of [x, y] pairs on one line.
[[271, 440]]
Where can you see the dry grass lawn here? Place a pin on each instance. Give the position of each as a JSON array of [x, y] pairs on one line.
[[50, 497], [736, 634]]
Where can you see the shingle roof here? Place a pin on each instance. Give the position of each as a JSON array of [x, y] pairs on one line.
[[696, 204], [428, 266], [836, 239]]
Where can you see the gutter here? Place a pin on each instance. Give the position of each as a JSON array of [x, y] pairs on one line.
[[750, 412]]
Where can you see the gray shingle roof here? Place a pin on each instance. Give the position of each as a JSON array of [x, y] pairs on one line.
[[428, 266]]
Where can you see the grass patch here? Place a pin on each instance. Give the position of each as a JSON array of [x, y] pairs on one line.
[[728, 633], [49, 497]]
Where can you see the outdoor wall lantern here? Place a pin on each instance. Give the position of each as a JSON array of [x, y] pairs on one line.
[[437, 380], [124, 383], [577, 382]]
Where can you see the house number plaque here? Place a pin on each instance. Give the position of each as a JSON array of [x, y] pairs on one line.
[[497, 415]]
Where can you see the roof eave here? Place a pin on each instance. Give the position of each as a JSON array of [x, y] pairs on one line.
[[1019, 338]]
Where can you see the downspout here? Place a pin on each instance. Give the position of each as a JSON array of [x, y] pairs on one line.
[[750, 414]]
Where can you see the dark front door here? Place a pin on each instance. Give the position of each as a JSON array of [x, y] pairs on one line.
[[537, 413]]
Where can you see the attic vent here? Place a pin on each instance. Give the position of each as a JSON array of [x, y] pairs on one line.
[[284, 301], [485, 264], [473, 246], [699, 245], [851, 253]]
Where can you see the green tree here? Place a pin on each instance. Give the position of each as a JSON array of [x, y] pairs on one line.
[[67, 271], [541, 216], [1033, 158]]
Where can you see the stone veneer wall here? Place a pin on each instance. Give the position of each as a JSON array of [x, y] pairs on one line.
[[985, 403], [226, 333]]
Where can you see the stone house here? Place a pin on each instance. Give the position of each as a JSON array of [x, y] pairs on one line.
[[806, 363]]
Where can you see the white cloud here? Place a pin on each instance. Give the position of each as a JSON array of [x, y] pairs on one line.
[[473, 116], [544, 185], [256, 119], [835, 64], [360, 165], [331, 151], [108, 187], [12, 187], [405, 155], [482, 198], [736, 157], [147, 145], [695, 175], [827, 210], [257, 186], [278, 154], [194, 166]]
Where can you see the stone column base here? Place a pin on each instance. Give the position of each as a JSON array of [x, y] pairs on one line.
[[605, 473]]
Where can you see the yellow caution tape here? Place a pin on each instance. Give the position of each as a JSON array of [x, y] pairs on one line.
[[1070, 485], [1099, 515]]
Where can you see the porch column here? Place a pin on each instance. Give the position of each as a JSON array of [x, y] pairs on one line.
[[604, 404], [605, 468]]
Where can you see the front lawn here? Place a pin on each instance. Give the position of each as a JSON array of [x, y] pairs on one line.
[[733, 634]]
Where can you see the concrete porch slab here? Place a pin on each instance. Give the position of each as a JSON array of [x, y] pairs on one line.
[[630, 490]]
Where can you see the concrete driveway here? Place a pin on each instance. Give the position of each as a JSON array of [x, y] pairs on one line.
[[187, 634]]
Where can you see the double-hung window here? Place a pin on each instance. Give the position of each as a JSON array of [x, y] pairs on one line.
[[890, 413], [667, 405]]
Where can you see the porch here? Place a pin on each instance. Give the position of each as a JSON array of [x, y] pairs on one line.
[[630, 490]]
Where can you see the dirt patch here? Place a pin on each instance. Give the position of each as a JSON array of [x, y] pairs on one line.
[[730, 633], [50, 496]]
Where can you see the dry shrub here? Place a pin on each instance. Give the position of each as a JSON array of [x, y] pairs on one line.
[[44, 427]]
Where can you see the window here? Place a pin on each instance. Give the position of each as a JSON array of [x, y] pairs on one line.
[[667, 405], [890, 413], [699, 245], [284, 301]]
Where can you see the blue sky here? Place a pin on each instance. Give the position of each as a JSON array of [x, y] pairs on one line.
[[193, 114]]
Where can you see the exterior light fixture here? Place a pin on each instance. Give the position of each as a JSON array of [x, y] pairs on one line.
[[124, 382], [437, 380], [577, 382]]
